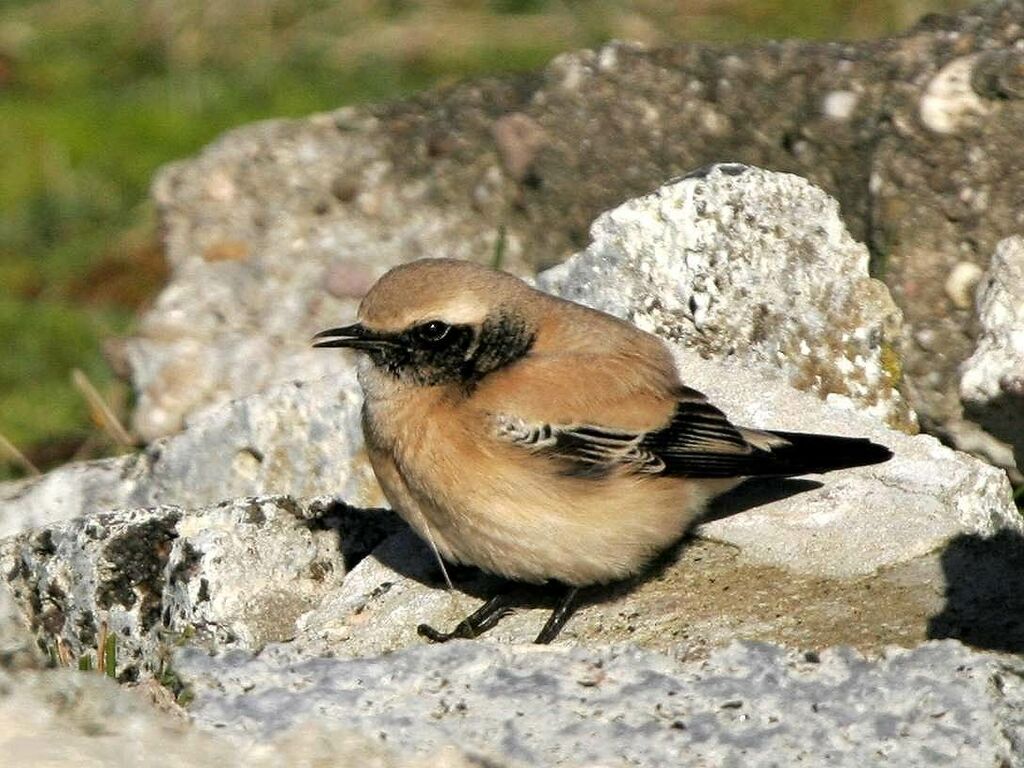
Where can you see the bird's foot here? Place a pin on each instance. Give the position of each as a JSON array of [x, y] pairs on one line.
[[490, 613], [478, 622]]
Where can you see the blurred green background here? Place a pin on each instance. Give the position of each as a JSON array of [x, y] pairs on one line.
[[96, 94]]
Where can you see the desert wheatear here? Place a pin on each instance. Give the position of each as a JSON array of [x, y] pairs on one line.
[[540, 440]]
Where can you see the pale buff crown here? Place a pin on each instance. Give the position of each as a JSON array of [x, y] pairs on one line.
[[455, 292]]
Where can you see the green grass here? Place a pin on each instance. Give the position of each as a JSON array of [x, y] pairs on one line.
[[36, 397], [96, 94]]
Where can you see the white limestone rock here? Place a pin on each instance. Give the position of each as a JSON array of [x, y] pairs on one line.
[[861, 519], [255, 232], [69, 719]]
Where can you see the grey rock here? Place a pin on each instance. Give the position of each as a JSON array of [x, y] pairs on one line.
[[301, 439], [741, 262], [275, 231], [237, 573], [257, 230], [18, 647], [916, 136], [992, 378], [68, 719], [868, 539], [69, 491], [858, 520], [749, 704], [736, 261]]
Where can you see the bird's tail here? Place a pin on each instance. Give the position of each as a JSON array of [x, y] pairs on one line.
[[799, 453]]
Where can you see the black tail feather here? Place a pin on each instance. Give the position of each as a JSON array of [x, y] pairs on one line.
[[801, 454], [812, 454]]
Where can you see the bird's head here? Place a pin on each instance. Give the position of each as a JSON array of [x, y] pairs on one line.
[[440, 321]]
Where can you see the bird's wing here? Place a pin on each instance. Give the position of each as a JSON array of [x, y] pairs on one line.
[[580, 450], [698, 441]]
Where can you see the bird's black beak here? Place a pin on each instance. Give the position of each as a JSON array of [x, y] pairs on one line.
[[351, 336]]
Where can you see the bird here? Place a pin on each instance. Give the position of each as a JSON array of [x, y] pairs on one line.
[[543, 441]]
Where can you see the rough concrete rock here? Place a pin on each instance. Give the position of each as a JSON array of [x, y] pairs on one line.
[[992, 379], [18, 647], [71, 719], [273, 229], [238, 573], [302, 439], [945, 185], [738, 261], [749, 704]]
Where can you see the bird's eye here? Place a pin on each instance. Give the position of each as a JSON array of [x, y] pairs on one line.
[[433, 332]]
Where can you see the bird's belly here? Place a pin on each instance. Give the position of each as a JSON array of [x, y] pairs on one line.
[[546, 527], [507, 512]]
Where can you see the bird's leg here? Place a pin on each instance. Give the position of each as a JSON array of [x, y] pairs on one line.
[[500, 605], [563, 610], [483, 618]]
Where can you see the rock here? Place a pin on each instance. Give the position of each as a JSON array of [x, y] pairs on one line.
[[962, 281], [950, 102], [69, 491], [992, 379], [944, 186], [18, 647], [239, 573], [302, 439], [66, 718], [276, 229], [518, 139], [745, 263], [858, 521], [751, 703], [316, 211], [869, 539], [916, 136]]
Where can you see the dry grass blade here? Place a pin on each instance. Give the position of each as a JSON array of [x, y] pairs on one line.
[[63, 653], [102, 413], [18, 457], [101, 656]]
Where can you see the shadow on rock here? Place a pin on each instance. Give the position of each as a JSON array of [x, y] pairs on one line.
[[360, 530], [754, 493], [363, 531], [984, 592]]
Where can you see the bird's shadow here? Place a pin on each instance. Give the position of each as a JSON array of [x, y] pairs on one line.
[[755, 493], [361, 531], [984, 578]]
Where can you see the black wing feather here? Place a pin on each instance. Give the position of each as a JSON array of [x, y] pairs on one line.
[[698, 442]]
